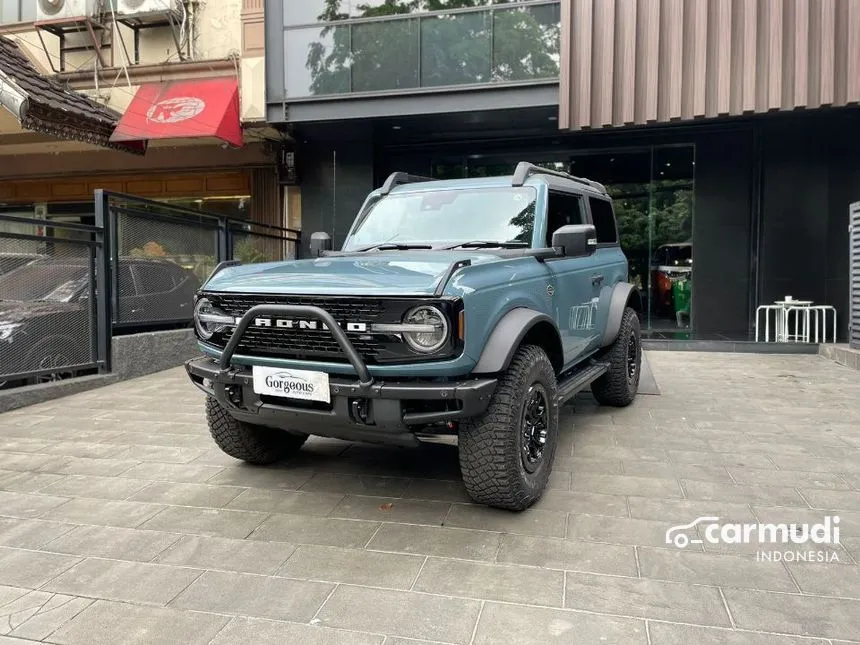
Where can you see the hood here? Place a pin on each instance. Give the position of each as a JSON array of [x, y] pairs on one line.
[[386, 273], [16, 311]]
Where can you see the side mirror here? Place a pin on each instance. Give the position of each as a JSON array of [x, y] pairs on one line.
[[576, 240], [320, 242]]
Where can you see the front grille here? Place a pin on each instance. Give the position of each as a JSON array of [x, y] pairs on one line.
[[311, 343]]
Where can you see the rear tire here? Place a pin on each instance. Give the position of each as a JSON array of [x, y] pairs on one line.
[[619, 385], [247, 441], [506, 454]]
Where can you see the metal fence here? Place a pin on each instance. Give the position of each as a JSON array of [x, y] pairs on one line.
[[161, 254], [67, 288], [53, 324], [854, 279]]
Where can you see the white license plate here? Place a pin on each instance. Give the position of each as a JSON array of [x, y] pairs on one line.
[[291, 384]]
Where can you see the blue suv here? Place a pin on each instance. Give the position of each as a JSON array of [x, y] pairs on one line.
[[468, 309]]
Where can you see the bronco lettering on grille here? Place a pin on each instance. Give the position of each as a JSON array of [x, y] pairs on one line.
[[285, 323]]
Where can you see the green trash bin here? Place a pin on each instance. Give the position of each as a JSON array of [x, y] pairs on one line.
[[681, 298]]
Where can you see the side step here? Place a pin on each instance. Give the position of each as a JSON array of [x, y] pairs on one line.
[[579, 379]]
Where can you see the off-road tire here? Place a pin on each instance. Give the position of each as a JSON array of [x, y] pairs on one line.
[[491, 445], [248, 442], [618, 387]]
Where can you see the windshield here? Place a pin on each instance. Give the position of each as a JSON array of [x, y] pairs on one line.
[[56, 282], [446, 217]]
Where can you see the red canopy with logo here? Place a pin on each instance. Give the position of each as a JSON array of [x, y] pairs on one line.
[[181, 109]]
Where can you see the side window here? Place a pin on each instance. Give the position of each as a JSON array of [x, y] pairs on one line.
[[562, 209], [125, 282], [153, 279], [603, 220]]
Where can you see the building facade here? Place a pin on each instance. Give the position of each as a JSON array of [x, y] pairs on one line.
[[183, 80], [726, 130]]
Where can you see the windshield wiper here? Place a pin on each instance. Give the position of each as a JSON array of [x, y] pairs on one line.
[[394, 246], [487, 244]]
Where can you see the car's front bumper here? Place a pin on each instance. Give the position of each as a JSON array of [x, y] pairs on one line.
[[362, 409]]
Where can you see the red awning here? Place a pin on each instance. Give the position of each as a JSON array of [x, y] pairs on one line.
[[182, 109]]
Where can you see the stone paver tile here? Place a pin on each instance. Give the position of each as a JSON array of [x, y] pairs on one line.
[[164, 454], [86, 449], [588, 465], [558, 480], [438, 541], [246, 594], [826, 580], [21, 444], [788, 478], [833, 499], [673, 634], [713, 569], [187, 494], [116, 488], [31, 569], [507, 625], [625, 485], [126, 581], [706, 458], [381, 509], [286, 501], [25, 505], [676, 471], [36, 615], [583, 502], [528, 522], [19, 482], [10, 594], [677, 511], [30, 534], [750, 494], [353, 566], [617, 530], [646, 599], [502, 582], [97, 467], [356, 484], [215, 522], [620, 453], [104, 512], [227, 554], [257, 631], [843, 464], [558, 553], [263, 477], [115, 623], [439, 490], [794, 614], [184, 473], [849, 521], [28, 462], [401, 613], [301, 529], [112, 542]]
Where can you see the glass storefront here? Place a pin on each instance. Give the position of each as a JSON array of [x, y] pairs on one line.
[[652, 191], [339, 47]]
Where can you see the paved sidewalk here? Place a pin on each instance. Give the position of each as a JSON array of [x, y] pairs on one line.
[[121, 523]]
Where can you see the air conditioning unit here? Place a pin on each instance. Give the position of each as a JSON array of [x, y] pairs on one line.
[[65, 9], [135, 8]]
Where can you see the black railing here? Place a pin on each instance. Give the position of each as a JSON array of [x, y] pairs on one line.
[[67, 288]]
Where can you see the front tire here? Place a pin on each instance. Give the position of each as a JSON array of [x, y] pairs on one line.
[[247, 441], [619, 385], [506, 454]]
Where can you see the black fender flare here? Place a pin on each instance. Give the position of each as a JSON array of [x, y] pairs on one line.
[[623, 295], [506, 337]]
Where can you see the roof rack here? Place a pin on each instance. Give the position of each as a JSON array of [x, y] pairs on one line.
[[398, 178], [525, 169]]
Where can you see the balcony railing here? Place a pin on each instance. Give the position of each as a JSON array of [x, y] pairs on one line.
[[504, 43]]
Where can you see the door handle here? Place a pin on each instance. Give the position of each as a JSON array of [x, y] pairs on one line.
[[597, 278]]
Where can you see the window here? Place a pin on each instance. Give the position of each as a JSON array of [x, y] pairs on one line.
[[603, 220], [17, 11], [153, 279], [562, 209]]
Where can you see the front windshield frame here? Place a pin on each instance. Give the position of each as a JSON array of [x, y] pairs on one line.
[[391, 229]]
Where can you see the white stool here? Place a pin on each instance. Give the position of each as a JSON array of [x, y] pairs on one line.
[[821, 311]]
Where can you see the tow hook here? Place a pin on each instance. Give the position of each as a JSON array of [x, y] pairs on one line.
[[359, 410]]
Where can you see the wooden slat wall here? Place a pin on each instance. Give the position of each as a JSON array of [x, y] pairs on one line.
[[266, 205], [630, 62]]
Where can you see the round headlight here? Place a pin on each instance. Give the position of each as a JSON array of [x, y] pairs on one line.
[[435, 332], [209, 320]]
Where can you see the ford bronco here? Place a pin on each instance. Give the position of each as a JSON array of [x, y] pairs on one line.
[[468, 309]]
